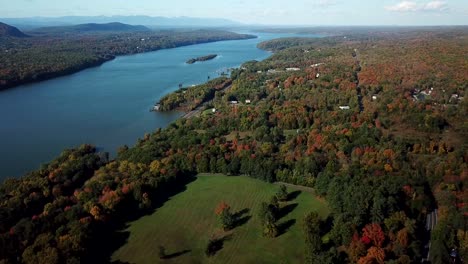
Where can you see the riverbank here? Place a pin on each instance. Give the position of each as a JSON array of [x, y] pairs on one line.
[[39, 59], [51, 75], [108, 105]]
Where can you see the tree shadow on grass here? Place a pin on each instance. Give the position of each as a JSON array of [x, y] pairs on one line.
[[285, 210], [177, 254], [285, 226], [240, 218], [293, 195], [216, 244], [111, 235], [242, 212]]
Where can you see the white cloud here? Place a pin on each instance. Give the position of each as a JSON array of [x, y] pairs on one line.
[[323, 3], [411, 6], [404, 6], [435, 6]]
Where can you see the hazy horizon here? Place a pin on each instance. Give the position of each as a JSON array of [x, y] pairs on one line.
[[274, 12]]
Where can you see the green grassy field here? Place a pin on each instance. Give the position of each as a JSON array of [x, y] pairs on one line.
[[185, 223]]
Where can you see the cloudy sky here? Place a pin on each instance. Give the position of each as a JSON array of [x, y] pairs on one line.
[[285, 12]]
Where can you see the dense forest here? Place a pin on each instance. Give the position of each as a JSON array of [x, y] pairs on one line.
[[48, 55], [377, 126]]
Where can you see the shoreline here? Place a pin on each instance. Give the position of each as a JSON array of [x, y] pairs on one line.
[[83, 66]]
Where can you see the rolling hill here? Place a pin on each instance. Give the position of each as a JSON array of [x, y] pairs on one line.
[[93, 27], [9, 31], [37, 22]]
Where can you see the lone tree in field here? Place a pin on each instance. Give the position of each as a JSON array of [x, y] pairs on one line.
[[282, 194], [162, 252], [311, 228], [223, 211], [268, 219]]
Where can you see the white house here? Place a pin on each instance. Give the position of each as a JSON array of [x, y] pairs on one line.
[[316, 65], [317, 75], [293, 69], [247, 101], [345, 107], [374, 97]]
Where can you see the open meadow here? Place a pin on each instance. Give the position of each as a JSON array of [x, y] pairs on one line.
[[184, 224]]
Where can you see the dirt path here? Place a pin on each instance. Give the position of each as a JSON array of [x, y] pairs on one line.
[[297, 187]]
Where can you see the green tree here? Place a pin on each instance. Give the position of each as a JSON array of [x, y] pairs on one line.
[[313, 239]]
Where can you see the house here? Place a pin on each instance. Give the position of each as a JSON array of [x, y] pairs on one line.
[[213, 110], [259, 71], [317, 75], [374, 97], [316, 65], [247, 101], [234, 102], [293, 69], [345, 107]]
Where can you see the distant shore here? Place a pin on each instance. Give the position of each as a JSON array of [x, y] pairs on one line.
[[98, 61]]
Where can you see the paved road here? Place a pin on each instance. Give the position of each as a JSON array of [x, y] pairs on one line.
[[431, 222], [356, 75]]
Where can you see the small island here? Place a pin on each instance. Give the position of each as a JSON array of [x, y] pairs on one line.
[[204, 58]]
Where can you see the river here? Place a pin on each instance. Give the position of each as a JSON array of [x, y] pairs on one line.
[[107, 106]]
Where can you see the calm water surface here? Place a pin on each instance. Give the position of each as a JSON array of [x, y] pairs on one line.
[[107, 106]]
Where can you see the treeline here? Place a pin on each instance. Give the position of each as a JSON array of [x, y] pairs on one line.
[[40, 58], [189, 98]]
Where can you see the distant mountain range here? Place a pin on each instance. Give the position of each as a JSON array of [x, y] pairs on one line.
[[10, 31], [36, 22], [92, 27]]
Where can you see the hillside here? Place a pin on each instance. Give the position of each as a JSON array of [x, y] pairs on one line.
[[93, 27], [245, 244], [34, 22], [9, 31]]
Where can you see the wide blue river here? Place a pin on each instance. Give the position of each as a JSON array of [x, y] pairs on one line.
[[107, 106]]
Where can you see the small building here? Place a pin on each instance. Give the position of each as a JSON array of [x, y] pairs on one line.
[[234, 102], [317, 75], [316, 65], [293, 69], [344, 107], [247, 101], [213, 110], [374, 97], [259, 71]]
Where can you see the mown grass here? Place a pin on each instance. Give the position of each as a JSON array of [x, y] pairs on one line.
[[184, 224]]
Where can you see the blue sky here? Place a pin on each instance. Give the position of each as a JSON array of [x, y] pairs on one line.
[[284, 12]]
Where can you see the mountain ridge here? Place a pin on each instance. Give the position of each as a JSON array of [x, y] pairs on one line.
[[94, 27], [10, 31], [35, 22]]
